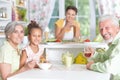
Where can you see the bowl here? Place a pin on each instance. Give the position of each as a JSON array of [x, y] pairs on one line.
[[44, 66]]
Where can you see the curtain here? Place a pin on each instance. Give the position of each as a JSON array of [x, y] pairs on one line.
[[41, 11], [109, 7]]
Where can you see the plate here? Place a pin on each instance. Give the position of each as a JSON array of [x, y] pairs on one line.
[[96, 44], [54, 43], [92, 43]]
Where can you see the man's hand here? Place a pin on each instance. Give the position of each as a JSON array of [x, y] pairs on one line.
[[89, 64], [89, 50]]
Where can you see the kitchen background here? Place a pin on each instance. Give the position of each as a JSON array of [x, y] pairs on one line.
[[46, 12]]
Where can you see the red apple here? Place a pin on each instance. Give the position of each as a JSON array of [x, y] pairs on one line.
[[58, 40], [86, 40]]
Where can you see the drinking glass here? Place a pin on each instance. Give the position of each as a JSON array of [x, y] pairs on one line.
[[87, 53]]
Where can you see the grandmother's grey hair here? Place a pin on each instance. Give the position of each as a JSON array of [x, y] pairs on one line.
[[10, 28], [114, 19]]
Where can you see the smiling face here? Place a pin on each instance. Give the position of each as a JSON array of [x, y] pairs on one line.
[[70, 15], [108, 30], [16, 37], [35, 36]]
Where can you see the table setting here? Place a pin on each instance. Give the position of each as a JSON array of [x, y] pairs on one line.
[[61, 65]]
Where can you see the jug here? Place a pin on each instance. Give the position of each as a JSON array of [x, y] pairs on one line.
[[67, 59]]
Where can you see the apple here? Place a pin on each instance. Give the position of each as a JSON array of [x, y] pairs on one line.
[[87, 40], [58, 40]]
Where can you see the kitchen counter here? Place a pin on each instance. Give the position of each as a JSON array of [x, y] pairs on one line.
[[74, 45], [54, 50]]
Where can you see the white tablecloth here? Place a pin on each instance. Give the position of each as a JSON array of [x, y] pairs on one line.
[[60, 72]]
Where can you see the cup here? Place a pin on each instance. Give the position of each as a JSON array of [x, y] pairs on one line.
[[87, 53]]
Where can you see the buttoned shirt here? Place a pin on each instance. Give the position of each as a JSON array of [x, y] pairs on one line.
[[9, 55], [109, 61]]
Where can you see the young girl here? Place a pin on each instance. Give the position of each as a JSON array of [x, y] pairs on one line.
[[33, 51]]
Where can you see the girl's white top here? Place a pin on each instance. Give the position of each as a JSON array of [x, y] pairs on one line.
[[33, 56]]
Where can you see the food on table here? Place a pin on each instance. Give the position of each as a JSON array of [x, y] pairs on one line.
[[44, 64], [58, 40], [51, 40], [81, 40], [43, 60], [87, 40], [54, 40], [80, 59], [100, 50]]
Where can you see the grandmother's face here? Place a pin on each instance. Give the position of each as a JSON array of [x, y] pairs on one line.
[[17, 36], [108, 30]]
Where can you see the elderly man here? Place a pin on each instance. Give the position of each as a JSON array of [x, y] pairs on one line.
[[108, 62]]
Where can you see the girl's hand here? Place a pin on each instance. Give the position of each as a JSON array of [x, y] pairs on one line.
[[30, 64]]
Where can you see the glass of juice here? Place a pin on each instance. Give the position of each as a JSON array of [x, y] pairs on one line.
[[87, 53]]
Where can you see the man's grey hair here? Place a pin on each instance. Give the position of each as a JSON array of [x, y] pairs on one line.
[[10, 28], [114, 19]]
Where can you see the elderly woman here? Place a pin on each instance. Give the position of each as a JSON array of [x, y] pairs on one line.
[[68, 28], [10, 51]]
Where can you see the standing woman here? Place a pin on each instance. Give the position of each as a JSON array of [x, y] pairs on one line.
[[10, 51], [68, 28]]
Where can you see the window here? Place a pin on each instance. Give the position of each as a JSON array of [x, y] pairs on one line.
[[86, 15], [55, 16], [83, 16], [97, 15]]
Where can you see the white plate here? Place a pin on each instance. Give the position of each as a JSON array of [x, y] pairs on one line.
[[96, 44], [54, 43], [92, 43]]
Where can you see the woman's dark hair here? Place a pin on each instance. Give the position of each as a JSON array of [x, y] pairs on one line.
[[33, 25], [71, 7]]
